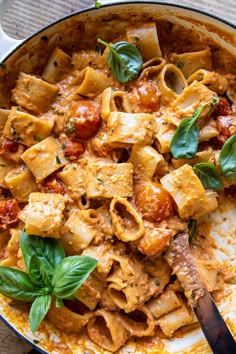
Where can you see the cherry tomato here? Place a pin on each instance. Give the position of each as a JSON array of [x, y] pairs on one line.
[[226, 126], [11, 150], [52, 184], [84, 120], [144, 96], [223, 108], [9, 211], [154, 202], [73, 150]]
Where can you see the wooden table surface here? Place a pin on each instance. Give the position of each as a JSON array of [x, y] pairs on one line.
[[27, 16]]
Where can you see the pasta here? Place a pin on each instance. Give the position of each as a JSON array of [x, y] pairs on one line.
[[90, 82], [88, 160], [190, 62], [33, 93], [24, 127], [127, 223], [171, 82], [188, 192], [40, 204], [147, 39]]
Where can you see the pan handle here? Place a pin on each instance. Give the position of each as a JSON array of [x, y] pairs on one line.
[[7, 43]]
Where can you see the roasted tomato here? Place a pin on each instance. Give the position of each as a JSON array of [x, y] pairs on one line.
[[11, 150], [226, 126], [154, 202], [73, 150], [155, 240], [52, 184], [144, 97], [223, 108], [83, 120], [9, 211]]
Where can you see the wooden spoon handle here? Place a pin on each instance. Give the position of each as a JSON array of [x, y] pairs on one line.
[[213, 326]]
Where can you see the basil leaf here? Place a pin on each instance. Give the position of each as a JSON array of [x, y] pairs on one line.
[[124, 60], [38, 273], [184, 142], [16, 285], [227, 158], [48, 250], [208, 174], [192, 227], [98, 4], [70, 274], [38, 311]]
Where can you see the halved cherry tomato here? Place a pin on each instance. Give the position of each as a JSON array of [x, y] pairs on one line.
[[144, 96], [73, 150], [84, 120], [52, 184], [223, 108], [11, 150], [226, 126], [9, 211], [154, 202]]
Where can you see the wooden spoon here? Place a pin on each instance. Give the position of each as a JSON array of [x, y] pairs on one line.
[[213, 326]]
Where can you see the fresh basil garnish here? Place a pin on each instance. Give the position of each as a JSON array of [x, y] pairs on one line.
[[98, 4], [124, 60], [16, 285], [38, 273], [70, 274], [38, 310], [184, 143], [48, 250], [227, 158], [192, 228], [209, 176], [51, 274]]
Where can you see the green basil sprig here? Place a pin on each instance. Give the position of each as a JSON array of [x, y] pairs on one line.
[[98, 4], [124, 60], [209, 176], [227, 158], [50, 275], [184, 143]]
